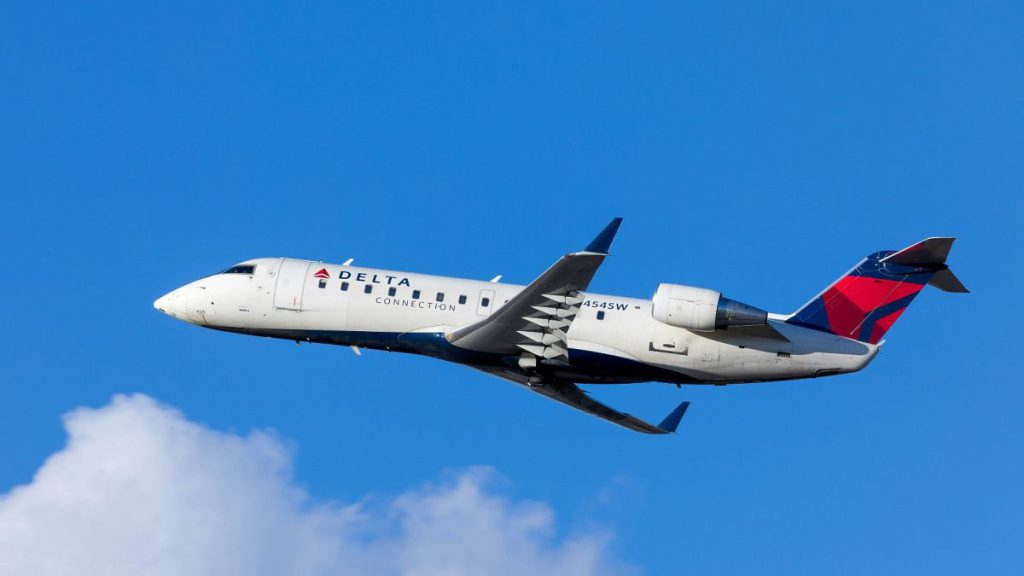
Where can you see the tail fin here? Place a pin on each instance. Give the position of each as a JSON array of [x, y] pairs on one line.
[[865, 302]]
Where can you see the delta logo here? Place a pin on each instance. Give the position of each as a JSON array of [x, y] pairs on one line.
[[322, 273]]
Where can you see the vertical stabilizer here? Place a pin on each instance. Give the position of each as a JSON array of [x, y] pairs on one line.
[[865, 302]]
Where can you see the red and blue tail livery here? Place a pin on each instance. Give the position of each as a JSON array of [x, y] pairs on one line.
[[865, 302]]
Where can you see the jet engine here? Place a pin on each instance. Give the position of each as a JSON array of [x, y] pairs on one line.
[[702, 309]]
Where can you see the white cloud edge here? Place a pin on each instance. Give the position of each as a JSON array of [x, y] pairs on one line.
[[140, 489]]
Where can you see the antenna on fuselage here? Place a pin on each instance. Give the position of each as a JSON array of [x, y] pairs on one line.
[[347, 262], [496, 278]]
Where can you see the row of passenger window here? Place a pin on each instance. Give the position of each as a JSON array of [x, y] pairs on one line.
[[392, 291]]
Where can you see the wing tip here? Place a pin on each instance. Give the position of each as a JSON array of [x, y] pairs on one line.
[[671, 422], [603, 242]]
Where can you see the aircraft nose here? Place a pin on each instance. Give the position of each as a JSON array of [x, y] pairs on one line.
[[172, 304]]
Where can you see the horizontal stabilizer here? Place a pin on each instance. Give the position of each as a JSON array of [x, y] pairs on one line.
[[946, 281], [927, 252], [930, 253]]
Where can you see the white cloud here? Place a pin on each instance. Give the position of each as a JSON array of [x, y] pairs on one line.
[[141, 490]]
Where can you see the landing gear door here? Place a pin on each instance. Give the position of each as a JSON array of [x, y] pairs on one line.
[[291, 279], [486, 303]]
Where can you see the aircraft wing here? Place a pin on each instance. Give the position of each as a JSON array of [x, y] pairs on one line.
[[573, 395], [536, 320]]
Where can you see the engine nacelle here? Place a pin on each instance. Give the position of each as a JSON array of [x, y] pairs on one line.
[[702, 309]]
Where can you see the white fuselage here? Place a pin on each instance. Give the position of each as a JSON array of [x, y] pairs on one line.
[[612, 339]]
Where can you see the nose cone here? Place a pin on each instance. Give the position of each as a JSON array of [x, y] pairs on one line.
[[172, 304]]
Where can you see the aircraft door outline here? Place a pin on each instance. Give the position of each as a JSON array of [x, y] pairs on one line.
[[291, 280]]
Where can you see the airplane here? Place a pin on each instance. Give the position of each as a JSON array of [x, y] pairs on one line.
[[552, 334]]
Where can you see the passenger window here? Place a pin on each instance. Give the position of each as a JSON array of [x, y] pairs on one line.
[[440, 296], [323, 283], [415, 294], [462, 299], [392, 291], [600, 314], [344, 286], [485, 302], [368, 289]]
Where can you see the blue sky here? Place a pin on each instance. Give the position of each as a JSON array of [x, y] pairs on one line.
[[756, 149]]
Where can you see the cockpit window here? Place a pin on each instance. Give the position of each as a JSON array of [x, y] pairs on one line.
[[241, 269]]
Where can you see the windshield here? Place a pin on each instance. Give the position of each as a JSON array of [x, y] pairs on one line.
[[241, 269]]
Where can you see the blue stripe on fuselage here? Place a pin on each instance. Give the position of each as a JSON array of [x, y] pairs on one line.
[[584, 366]]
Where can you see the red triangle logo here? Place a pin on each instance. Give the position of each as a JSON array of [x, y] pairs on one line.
[[322, 273]]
